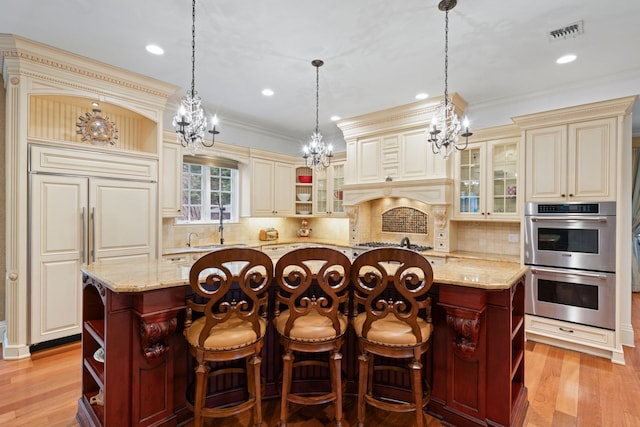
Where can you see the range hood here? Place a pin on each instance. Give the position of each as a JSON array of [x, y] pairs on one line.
[[436, 191]]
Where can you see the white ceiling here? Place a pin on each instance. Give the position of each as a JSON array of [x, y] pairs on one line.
[[378, 53]]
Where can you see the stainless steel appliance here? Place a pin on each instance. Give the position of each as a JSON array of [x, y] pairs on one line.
[[571, 248], [571, 235]]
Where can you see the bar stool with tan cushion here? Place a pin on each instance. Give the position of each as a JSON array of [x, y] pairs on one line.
[[230, 289], [392, 319], [313, 291]]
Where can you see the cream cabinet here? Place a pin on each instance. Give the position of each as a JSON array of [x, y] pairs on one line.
[[572, 162], [171, 179], [487, 180], [272, 188], [396, 156], [328, 193], [76, 220]]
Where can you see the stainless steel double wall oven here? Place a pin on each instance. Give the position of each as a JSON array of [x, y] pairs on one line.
[[571, 251]]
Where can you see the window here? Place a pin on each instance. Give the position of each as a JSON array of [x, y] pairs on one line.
[[206, 188]]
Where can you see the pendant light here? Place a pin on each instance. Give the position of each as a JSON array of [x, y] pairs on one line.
[[444, 131], [316, 153], [190, 122]]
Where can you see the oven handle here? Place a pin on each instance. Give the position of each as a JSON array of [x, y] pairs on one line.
[[570, 218], [577, 273]]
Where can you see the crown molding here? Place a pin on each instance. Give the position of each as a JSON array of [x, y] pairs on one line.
[[404, 117], [594, 110], [60, 69]]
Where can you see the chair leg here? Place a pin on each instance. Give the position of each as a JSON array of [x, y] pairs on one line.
[[416, 385], [336, 380], [202, 373], [287, 371], [363, 373], [255, 363]]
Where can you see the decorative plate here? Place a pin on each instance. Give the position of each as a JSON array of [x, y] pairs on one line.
[[97, 128], [99, 355]]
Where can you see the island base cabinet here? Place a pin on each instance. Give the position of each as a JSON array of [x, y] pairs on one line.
[[132, 384], [478, 356]]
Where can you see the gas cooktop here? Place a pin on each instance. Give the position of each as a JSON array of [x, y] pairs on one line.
[[417, 248]]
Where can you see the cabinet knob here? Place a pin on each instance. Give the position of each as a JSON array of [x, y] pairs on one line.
[[563, 195], [488, 213], [570, 195], [482, 213]]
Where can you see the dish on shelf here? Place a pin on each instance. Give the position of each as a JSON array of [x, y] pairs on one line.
[[304, 212], [304, 197], [99, 355], [304, 179]]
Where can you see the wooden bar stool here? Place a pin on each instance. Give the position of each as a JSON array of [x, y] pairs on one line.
[[392, 319], [313, 288], [230, 289]]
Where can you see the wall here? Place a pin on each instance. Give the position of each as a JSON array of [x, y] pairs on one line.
[[488, 237], [369, 224], [474, 236], [247, 230]]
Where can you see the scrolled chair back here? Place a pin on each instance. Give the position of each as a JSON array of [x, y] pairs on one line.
[[230, 284], [393, 282], [313, 281]]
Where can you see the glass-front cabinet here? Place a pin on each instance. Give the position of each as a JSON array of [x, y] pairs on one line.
[[487, 180], [328, 197], [470, 170], [504, 177]]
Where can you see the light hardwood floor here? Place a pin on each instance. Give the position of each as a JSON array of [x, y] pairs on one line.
[[566, 388]]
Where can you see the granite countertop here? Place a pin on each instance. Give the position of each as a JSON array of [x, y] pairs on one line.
[[255, 244], [137, 276], [481, 256], [478, 273]]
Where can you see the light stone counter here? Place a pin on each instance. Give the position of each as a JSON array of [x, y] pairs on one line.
[[476, 273], [136, 276], [256, 244]]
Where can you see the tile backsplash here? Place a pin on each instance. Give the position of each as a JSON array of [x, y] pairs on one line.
[[489, 237], [404, 219], [247, 229]]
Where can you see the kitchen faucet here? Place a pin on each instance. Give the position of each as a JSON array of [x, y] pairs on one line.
[[405, 242], [189, 239]]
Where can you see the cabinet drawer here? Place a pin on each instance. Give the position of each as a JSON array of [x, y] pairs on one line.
[[572, 332], [275, 251], [436, 260]]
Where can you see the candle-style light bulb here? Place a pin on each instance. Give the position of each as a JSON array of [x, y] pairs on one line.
[[465, 123]]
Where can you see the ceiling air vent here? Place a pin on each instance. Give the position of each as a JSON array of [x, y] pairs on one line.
[[571, 30]]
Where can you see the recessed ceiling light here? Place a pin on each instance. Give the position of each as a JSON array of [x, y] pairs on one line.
[[267, 92], [335, 118], [566, 59], [154, 49], [422, 95]]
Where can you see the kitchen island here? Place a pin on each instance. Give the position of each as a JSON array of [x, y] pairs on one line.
[[134, 311]]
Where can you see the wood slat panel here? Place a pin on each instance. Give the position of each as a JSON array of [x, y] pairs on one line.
[[55, 118]]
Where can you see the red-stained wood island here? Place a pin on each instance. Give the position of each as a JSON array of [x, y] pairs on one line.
[[134, 311]]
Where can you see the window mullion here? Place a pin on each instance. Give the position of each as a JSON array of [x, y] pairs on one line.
[[206, 189]]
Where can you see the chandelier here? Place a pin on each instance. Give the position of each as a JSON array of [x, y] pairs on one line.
[[190, 121], [444, 131], [316, 153]]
